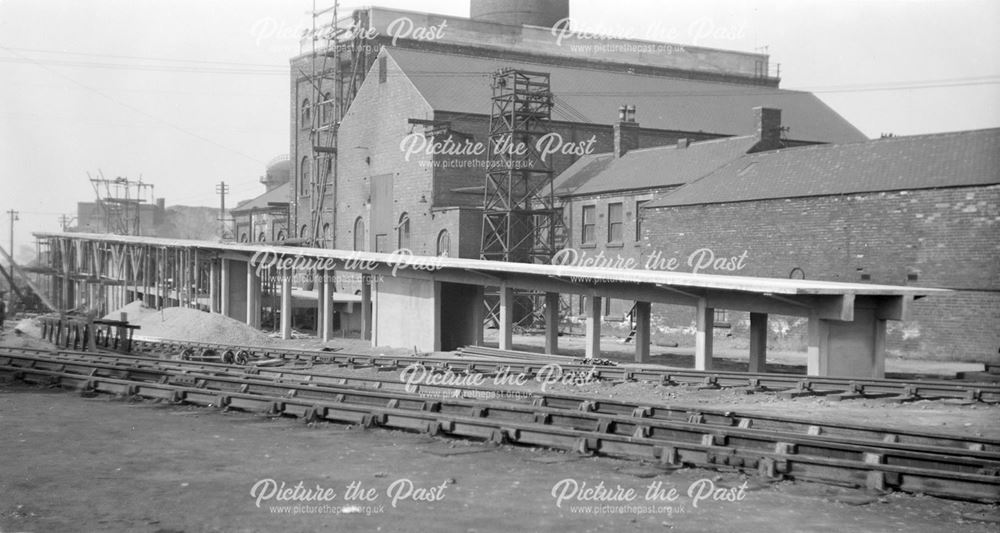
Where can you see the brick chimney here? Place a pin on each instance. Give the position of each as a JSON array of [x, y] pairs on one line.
[[768, 129], [626, 131]]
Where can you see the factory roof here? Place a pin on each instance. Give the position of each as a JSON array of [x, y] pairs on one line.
[[276, 197], [662, 166], [954, 159], [461, 83]]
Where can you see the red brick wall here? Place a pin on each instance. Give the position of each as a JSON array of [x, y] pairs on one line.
[[948, 238]]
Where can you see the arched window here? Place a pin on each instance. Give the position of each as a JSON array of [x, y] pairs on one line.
[[304, 177], [327, 238], [262, 237], [444, 243], [244, 237], [359, 234], [281, 236], [305, 114], [403, 232], [303, 231]]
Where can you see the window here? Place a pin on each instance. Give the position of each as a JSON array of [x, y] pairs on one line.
[[444, 243], [303, 231], [403, 232], [262, 237], [327, 240], [359, 234], [615, 222], [639, 215], [327, 108], [305, 114], [304, 177], [244, 237], [383, 70], [587, 225], [721, 319], [281, 236]]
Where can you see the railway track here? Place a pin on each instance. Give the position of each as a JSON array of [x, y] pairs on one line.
[[774, 447], [831, 388]]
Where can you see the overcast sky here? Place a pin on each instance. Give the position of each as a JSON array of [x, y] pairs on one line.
[[188, 93]]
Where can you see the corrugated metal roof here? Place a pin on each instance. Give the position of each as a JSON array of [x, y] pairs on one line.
[[276, 197], [662, 166], [540, 272], [898, 163], [459, 83]]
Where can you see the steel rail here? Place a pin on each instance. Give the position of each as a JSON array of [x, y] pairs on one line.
[[888, 465], [712, 417], [832, 388]]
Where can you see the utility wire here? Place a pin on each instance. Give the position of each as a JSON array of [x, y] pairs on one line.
[[137, 110]]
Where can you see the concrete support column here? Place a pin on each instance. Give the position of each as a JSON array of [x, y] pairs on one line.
[[642, 331], [551, 322], [253, 297], [213, 287], [592, 346], [366, 306], [326, 305], [224, 287], [703, 336], [817, 352], [878, 357], [67, 298], [478, 311], [758, 342], [286, 304], [506, 314]]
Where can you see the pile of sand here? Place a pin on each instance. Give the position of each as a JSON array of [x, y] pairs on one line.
[[181, 323]]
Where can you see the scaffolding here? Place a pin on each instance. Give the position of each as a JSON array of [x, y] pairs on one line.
[[120, 201], [326, 81], [521, 222]]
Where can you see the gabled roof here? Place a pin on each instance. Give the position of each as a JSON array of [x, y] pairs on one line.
[[460, 83], [662, 166], [955, 159], [276, 197]]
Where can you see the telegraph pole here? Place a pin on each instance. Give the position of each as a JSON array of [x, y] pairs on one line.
[[222, 189], [65, 220]]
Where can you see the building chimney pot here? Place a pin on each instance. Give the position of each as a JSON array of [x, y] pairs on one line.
[[626, 131], [682, 143]]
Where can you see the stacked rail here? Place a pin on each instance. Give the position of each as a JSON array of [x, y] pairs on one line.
[[774, 447], [831, 388]]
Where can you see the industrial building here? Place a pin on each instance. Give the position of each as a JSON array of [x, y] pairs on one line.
[[384, 128]]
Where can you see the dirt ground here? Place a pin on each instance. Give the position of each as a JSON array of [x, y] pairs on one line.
[[95, 464]]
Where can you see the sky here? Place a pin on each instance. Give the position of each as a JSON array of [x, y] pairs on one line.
[[188, 93]]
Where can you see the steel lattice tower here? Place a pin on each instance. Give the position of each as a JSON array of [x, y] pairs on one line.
[[521, 222], [519, 212]]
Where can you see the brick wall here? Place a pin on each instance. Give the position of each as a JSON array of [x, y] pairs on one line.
[[945, 238]]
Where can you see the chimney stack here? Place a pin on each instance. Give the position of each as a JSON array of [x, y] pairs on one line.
[[682, 142], [768, 129], [626, 131]]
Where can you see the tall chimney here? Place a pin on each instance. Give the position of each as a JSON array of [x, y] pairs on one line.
[[626, 131], [768, 129]]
